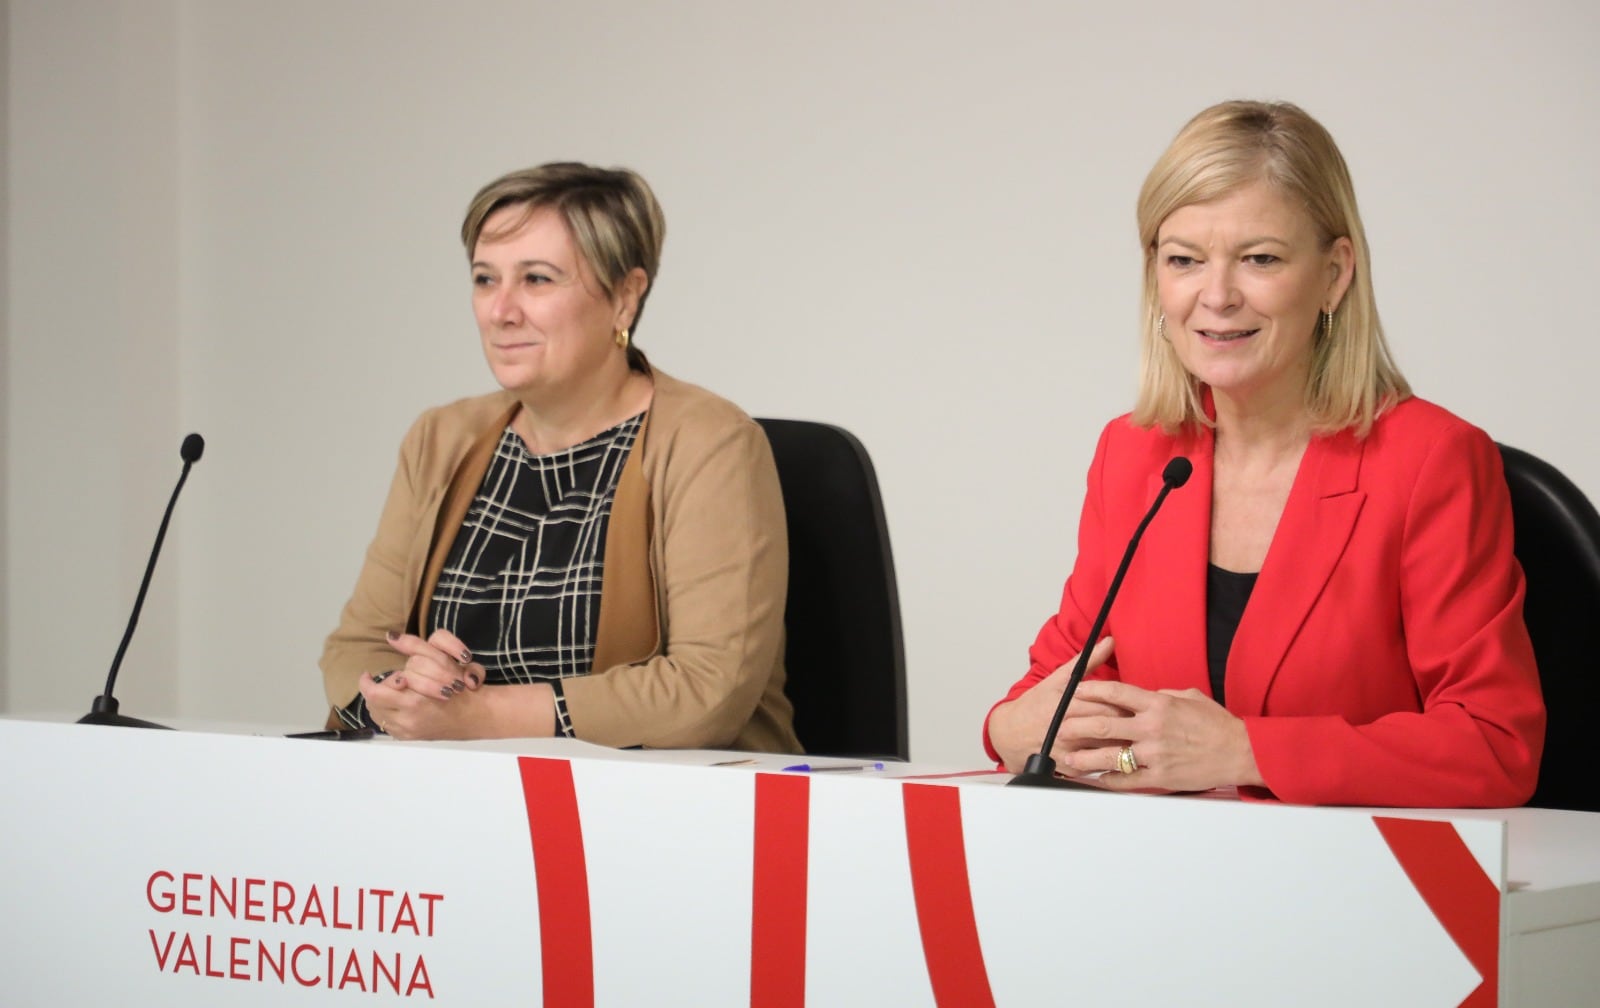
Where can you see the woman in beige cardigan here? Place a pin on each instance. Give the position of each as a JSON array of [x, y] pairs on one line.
[[598, 550]]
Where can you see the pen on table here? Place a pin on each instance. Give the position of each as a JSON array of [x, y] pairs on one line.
[[835, 768], [336, 734]]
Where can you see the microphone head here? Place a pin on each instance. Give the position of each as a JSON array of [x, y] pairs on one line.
[[1175, 475], [194, 446]]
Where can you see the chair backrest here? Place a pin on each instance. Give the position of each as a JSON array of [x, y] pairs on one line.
[[1558, 545], [845, 657]]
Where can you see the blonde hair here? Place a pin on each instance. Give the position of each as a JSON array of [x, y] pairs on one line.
[[611, 213], [1353, 377]]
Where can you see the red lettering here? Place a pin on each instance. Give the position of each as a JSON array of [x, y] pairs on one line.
[[352, 972], [252, 902], [282, 903], [313, 908], [263, 900], [266, 964], [383, 899], [168, 901], [191, 899], [186, 957], [380, 972], [340, 924], [232, 899], [430, 899], [419, 980], [162, 951], [405, 916], [294, 966], [209, 971]]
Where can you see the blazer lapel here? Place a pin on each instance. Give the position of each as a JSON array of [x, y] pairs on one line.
[[1312, 535], [629, 627], [458, 496]]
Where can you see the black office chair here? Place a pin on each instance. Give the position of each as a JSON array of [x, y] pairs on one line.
[[1558, 544], [845, 657]]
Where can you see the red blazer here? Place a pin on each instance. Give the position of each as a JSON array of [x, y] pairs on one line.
[[1382, 658]]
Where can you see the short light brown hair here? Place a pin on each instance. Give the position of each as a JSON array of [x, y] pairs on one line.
[[611, 213], [1353, 376]]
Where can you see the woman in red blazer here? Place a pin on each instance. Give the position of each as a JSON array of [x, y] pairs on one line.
[[1329, 612]]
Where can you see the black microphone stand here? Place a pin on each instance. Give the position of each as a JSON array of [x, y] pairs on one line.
[[104, 709], [1040, 770]]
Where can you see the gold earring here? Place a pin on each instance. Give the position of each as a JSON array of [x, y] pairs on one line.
[[1327, 323], [1161, 326], [621, 337]]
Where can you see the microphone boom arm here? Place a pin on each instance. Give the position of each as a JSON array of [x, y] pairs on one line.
[[104, 709], [1040, 770]]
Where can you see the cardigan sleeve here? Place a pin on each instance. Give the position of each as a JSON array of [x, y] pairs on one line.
[[1478, 735], [722, 588]]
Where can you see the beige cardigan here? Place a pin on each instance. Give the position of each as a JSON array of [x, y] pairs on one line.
[[689, 647]]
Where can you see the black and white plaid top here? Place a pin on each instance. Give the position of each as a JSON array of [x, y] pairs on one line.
[[521, 585]]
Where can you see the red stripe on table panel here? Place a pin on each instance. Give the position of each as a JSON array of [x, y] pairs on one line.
[[938, 857], [778, 891], [1458, 891], [565, 944]]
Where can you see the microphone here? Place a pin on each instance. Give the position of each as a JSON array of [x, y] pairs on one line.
[[1040, 770], [104, 709]]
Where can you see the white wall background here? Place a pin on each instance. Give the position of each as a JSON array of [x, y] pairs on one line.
[[912, 219]]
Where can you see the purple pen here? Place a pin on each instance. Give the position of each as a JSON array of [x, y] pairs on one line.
[[835, 768]]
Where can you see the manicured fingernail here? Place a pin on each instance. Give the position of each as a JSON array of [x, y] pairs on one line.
[[390, 636], [466, 656], [458, 685], [399, 680], [445, 692], [472, 677], [381, 676]]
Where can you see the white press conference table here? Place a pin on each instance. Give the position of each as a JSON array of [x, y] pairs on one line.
[[233, 866]]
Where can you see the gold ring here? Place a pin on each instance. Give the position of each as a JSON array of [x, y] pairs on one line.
[[1126, 763]]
